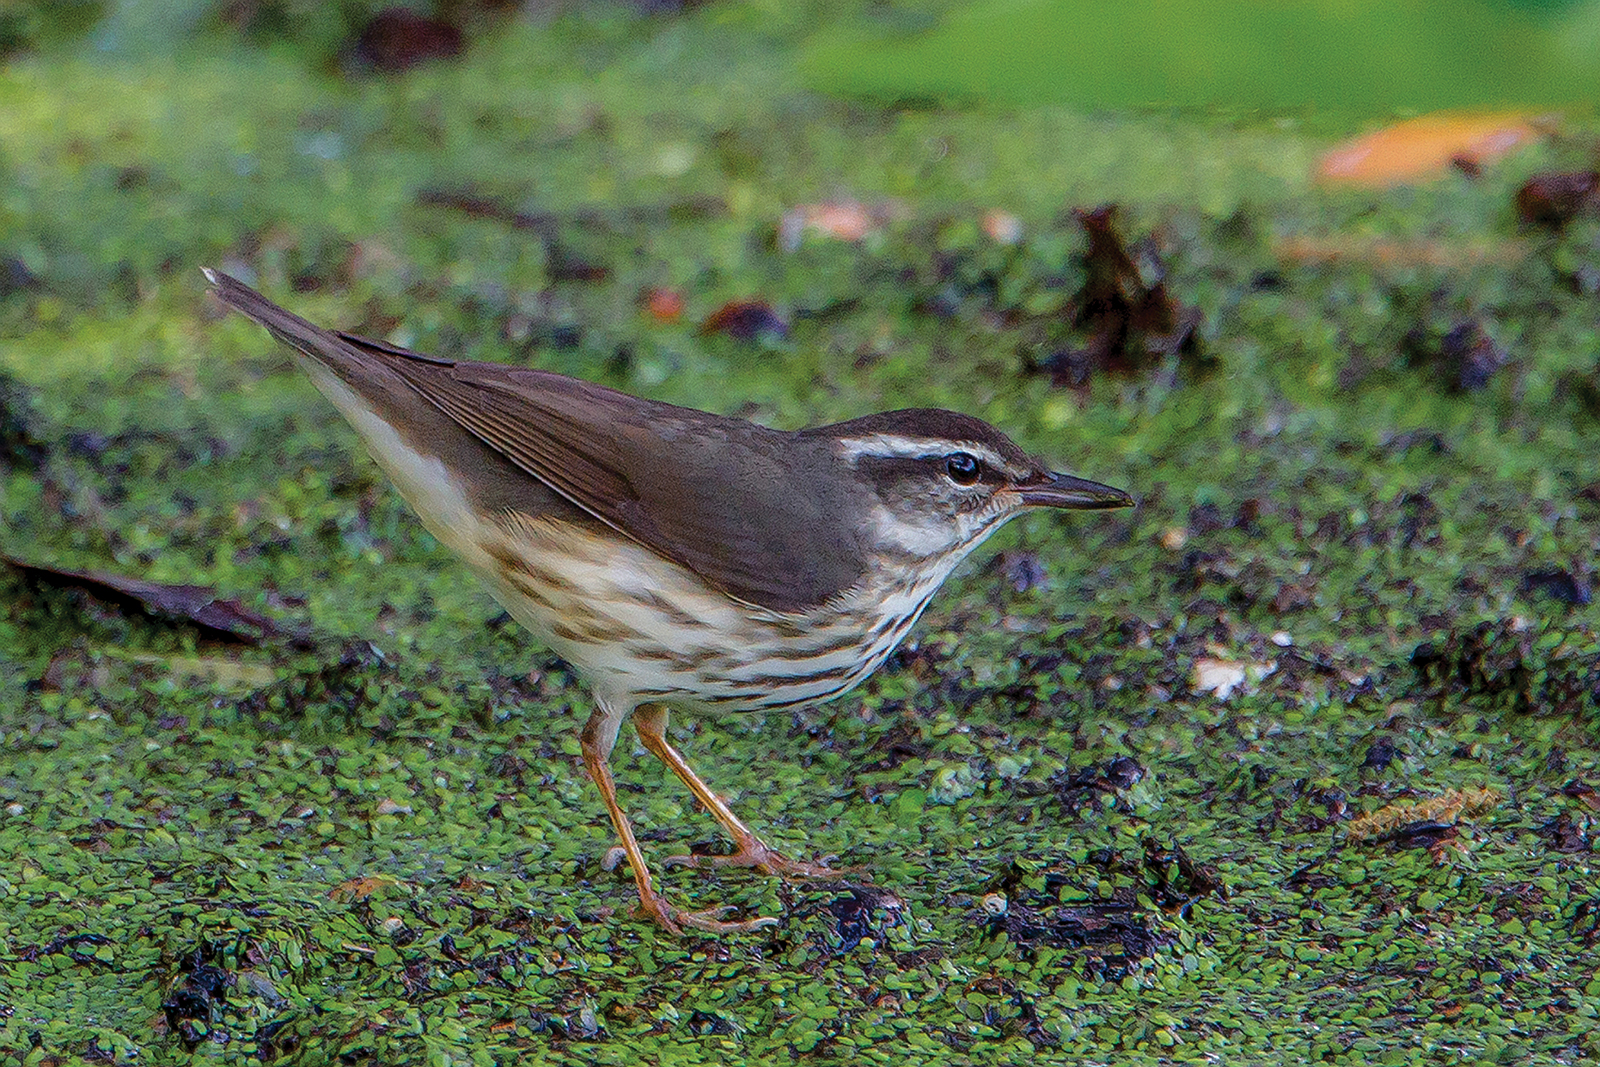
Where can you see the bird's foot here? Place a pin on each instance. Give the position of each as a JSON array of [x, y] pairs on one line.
[[673, 919], [757, 854]]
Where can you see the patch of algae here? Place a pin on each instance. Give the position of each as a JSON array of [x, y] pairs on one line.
[[389, 854]]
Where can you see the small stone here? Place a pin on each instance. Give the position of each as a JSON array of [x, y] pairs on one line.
[[1223, 677], [995, 904]]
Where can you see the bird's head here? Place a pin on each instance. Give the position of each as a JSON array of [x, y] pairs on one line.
[[943, 481]]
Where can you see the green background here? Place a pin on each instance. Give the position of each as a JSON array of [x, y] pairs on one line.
[[170, 804]]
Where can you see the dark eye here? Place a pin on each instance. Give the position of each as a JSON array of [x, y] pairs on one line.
[[962, 468]]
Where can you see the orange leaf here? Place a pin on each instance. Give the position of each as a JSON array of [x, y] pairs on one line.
[[362, 887], [1424, 147], [662, 304]]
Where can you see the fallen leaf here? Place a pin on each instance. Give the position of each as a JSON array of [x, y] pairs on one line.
[[1124, 305], [396, 40], [1424, 147], [1565, 834], [1581, 790], [1446, 809], [194, 604], [362, 887], [746, 320], [662, 304], [1553, 200]]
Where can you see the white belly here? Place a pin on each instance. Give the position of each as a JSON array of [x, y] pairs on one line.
[[643, 629], [639, 627]]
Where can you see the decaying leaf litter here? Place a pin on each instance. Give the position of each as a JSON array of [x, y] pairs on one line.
[[1069, 846]]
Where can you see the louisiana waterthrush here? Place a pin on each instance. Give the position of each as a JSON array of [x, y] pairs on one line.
[[673, 556]]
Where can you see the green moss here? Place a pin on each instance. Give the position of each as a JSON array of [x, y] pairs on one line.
[[390, 851]]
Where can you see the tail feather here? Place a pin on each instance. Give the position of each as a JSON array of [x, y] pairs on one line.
[[285, 325], [333, 347], [454, 481]]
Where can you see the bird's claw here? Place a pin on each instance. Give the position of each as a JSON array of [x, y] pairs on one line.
[[757, 855], [673, 919]]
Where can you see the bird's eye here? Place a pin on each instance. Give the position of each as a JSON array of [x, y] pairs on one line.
[[962, 468]]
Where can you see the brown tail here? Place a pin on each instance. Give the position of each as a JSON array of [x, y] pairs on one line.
[[325, 346], [285, 325]]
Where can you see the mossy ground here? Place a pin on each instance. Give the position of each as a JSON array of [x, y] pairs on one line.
[[381, 849]]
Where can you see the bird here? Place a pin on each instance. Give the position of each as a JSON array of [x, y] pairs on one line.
[[678, 558]]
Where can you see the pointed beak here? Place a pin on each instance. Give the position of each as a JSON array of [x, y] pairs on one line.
[[1065, 491]]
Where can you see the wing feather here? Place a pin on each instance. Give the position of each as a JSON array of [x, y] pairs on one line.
[[660, 475], [761, 514]]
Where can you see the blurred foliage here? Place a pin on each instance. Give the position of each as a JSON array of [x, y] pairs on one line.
[[1368, 56], [26, 24]]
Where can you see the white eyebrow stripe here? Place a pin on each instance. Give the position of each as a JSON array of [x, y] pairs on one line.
[[894, 446]]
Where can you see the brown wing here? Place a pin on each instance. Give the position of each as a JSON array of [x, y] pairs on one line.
[[765, 516], [559, 453], [752, 511]]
